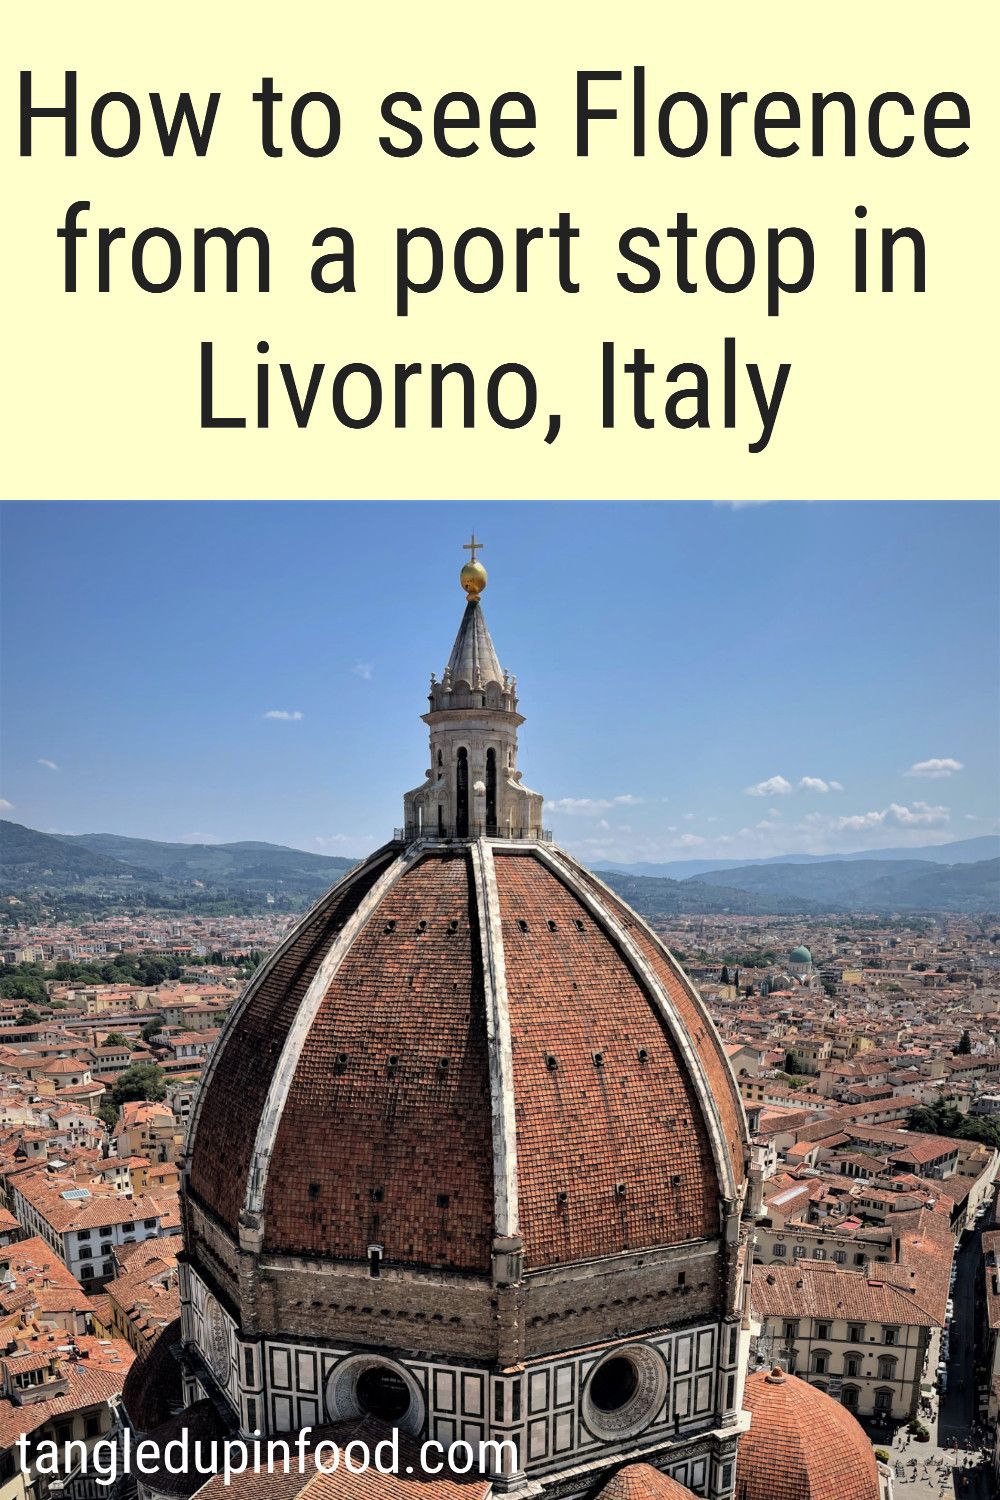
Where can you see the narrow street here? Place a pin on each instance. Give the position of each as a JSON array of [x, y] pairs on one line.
[[948, 1465], [958, 1404]]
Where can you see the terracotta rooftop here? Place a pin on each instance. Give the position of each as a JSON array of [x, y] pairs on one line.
[[820, 1289]]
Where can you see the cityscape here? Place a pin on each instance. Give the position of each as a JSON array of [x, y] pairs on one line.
[[667, 1175]]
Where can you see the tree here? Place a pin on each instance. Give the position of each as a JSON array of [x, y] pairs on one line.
[[115, 1039], [979, 1128], [151, 1028], [939, 1118], [108, 1114], [923, 1119], [140, 1081], [28, 1017], [24, 987], [964, 1044], [724, 979]]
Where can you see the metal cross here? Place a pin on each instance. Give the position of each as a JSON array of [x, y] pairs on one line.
[[472, 546]]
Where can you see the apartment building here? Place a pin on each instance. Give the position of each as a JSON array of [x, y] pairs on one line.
[[83, 1226]]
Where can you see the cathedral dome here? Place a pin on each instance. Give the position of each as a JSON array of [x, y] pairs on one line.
[[465, 1042], [802, 1445], [469, 1150], [800, 955]]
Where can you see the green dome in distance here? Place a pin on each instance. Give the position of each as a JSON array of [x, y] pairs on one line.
[[800, 955]]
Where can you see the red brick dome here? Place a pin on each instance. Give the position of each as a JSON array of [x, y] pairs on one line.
[[643, 1482], [802, 1445], [465, 1042]]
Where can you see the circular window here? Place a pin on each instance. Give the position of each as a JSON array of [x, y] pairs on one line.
[[365, 1385], [381, 1392], [613, 1385], [624, 1391]]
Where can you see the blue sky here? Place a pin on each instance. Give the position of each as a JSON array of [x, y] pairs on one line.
[[693, 675]]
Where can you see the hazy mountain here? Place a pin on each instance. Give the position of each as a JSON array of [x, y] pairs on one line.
[[29, 859], [216, 863], [89, 862], [961, 851], [652, 897], [870, 885]]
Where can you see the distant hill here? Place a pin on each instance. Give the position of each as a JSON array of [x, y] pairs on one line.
[[91, 863], [960, 851], [652, 897], [870, 885], [30, 859], [216, 864]]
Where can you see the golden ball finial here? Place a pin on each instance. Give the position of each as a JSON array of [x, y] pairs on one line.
[[473, 576]]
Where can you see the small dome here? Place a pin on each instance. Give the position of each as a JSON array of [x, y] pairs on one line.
[[643, 1482], [802, 1445], [800, 955]]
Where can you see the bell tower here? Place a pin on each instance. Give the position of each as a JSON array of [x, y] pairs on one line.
[[473, 787]]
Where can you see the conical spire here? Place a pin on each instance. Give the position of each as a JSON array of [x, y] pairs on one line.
[[473, 659]]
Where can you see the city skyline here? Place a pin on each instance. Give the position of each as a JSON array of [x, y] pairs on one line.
[[808, 678]]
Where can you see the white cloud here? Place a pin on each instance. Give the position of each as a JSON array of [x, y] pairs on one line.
[[363, 669], [292, 714], [920, 815], [590, 806], [6, 806], [817, 784], [199, 838], [690, 841], [935, 770], [49, 764], [774, 786], [342, 840]]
